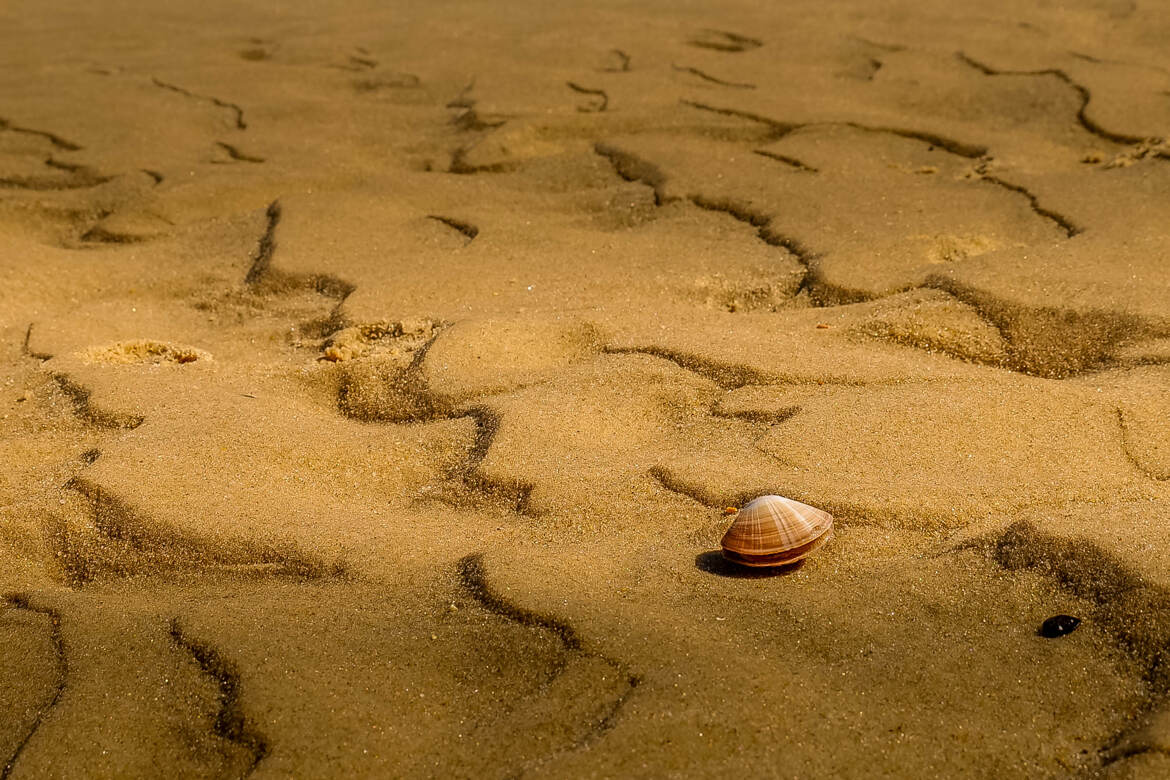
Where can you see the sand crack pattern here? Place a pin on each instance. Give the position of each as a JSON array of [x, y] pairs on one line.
[[473, 579], [230, 723], [55, 687], [372, 413]]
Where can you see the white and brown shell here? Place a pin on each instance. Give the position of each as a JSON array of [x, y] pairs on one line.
[[776, 531]]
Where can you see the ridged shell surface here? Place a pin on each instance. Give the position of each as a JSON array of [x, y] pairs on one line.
[[773, 531]]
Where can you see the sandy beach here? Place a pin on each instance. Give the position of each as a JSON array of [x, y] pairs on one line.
[[377, 381]]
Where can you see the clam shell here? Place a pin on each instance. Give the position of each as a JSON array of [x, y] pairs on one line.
[[775, 531]]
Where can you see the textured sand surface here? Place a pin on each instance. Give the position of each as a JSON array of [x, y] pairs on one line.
[[374, 377]]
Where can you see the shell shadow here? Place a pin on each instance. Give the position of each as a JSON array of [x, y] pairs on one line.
[[713, 562]]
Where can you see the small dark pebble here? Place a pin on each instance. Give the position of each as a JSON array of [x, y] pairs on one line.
[[1059, 625]]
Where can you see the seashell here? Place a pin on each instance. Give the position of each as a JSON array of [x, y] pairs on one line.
[[776, 531]]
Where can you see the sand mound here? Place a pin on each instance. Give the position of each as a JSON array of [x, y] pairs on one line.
[[144, 351]]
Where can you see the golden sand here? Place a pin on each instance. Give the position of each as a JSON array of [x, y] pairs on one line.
[[376, 383]]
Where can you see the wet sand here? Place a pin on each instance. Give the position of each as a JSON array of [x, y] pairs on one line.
[[374, 381]]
